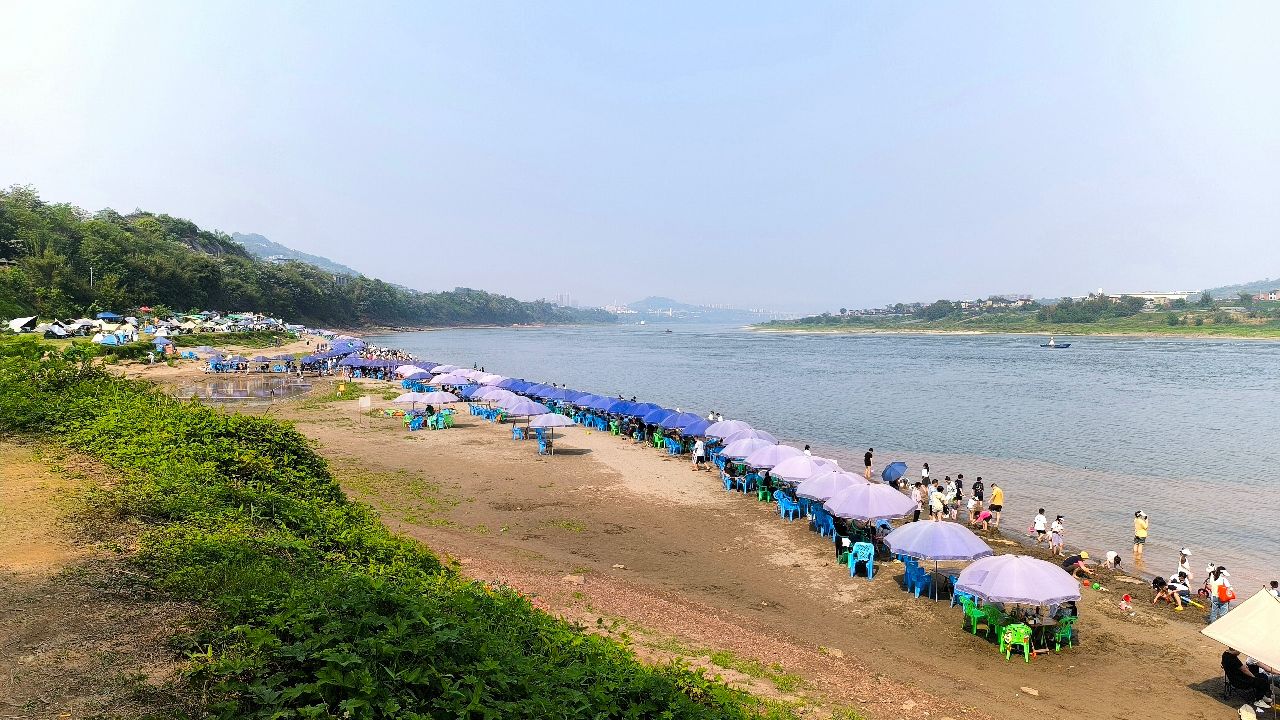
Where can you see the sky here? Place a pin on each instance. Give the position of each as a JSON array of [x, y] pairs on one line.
[[791, 156]]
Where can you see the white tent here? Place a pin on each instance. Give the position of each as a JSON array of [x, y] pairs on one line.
[[1252, 627], [22, 324]]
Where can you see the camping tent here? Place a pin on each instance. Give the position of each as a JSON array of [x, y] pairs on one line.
[[22, 324], [1253, 628]]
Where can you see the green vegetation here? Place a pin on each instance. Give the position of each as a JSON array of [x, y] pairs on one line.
[[315, 609], [250, 339], [1094, 315], [72, 263]]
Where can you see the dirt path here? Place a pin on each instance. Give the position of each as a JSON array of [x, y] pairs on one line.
[[722, 579], [78, 638]]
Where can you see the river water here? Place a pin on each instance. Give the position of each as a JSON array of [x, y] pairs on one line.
[[1185, 430]]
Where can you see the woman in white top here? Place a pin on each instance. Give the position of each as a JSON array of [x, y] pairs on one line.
[[924, 474], [1055, 536], [1219, 586], [1184, 565]]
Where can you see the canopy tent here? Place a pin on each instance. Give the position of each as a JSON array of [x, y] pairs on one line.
[[25, 324], [108, 316], [1252, 627]]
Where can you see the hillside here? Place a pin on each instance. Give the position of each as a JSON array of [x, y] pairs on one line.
[[1232, 291], [265, 249], [61, 261]]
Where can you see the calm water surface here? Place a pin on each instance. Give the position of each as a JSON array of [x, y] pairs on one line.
[[1186, 430]]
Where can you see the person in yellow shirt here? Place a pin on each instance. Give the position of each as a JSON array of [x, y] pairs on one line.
[[997, 504], [1140, 524]]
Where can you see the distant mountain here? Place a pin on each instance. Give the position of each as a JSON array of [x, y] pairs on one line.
[[668, 309], [261, 247], [1257, 286]]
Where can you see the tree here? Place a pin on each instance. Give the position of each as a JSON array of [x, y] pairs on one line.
[[937, 310], [1206, 299], [1180, 304], [844, 311], [1246, 299], [1171, 318]]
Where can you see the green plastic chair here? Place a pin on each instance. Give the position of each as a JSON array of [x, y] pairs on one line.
[[1064, 631], [657, 439], [613, 427], [448, 420], [996, 620], [1016, 634], [975, 616]]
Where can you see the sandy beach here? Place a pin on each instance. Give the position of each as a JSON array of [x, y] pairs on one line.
[[627, 539]]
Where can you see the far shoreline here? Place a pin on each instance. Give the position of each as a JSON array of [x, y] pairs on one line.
[[1021, 333]]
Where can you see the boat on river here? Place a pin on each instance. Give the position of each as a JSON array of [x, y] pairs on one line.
[[1054, 344]]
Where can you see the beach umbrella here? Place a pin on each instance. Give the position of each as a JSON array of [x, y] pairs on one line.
[[745, 434], [767, 457], [490, 379], [937, 541], [523, 407], [679, 421], [237, 359], [795, 469], [697, 429], [471, 391], [412, 398], [286, 357], [823, 485], [741, 448], [1017, 579], [725, 428], [406, 370], [351, 361], [441, 369], [506, 383], [550, 420], [654, 417], [539, 390], [450, 379], [261, 358], [869, 503], [424, 375], [893, 471], [439, 398]]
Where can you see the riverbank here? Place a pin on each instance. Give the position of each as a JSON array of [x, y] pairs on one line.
[[1061, 332]]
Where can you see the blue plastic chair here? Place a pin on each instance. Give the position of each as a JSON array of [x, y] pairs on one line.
[[542, 446], [517, 433], [787, 507], [862, 552]]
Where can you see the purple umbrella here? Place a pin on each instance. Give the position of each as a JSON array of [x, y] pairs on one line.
[[441, 369], [937, 541], [725, 428], [869, 503], [743, 448], [424, 375], [745, 434], [767, 457], [823, 485], [522, 407], [549, 420], [1018, 579], [795, 469], [451, 379], [439, 398]]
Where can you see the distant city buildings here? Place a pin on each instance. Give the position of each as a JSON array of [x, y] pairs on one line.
[[1267, 295]]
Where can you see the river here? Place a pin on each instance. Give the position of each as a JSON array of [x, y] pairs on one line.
[[1183, 429]]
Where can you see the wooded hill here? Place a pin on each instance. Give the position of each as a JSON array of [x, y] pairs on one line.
[[57, 260]]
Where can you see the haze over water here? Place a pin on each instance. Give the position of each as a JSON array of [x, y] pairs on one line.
[[1185, 430]]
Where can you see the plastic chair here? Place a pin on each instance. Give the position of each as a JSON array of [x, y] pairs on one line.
[[959, 597], [728, 481], [542, 447], [1064, 631], [975, 616], [517, 433], [862, 552], [1016, 634], [923, 582], [786, 506], [613, 428], [995, 619]]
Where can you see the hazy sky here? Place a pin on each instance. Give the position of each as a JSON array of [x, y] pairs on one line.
[[783, 155]]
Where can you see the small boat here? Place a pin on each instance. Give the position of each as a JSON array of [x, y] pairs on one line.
[[1054, 344]]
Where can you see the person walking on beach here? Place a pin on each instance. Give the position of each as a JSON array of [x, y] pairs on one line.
[[1220, 593], [978, 489], [924, 474], [917, 497], [1140, 527], [699, 450], [1040, 526], [1055, 536], [936, 503], [866, 463], [997, 504]]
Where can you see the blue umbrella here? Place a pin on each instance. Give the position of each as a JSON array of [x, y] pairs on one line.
[[697, 429], [419, 376], [678, 421], [893, 471], [655, 417]]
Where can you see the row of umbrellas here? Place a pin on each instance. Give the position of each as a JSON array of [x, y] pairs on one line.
[[993, 578]]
